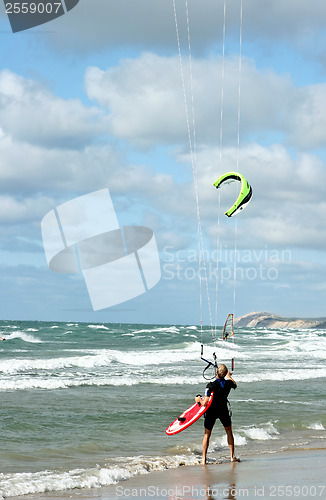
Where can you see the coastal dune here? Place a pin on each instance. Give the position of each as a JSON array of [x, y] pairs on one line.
[[267, 320]]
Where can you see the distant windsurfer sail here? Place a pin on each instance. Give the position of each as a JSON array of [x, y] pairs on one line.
[[228, 327], [244, 195], [228, 332]]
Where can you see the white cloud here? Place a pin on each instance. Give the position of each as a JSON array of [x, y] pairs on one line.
[[146, 104], [25, 210], [53, 149], [288, 206], [307, 124], [26, 168], [31, 113], [100, 24], [144, 98]]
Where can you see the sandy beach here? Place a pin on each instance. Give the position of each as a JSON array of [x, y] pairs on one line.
[[297, 474]]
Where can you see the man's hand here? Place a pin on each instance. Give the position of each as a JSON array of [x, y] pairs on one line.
[[228, 375]]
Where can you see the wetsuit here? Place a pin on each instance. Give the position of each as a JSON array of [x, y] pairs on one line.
[[219, 407]]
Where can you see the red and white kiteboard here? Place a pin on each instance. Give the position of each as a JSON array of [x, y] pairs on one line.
[[188, 417]]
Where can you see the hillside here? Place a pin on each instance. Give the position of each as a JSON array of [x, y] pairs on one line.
[[267, 320]]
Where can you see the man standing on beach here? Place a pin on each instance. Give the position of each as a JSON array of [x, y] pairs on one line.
[[218, 409]]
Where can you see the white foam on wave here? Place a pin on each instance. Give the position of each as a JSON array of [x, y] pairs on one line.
[[258, 434], [225, 350], [282, 375], [11, 366], [222, 442], [29, 483], [88, 380], [163, 329], [318, 426], [104, 357], [290, 352], [98, 327], [26, 337], [55, 383], [12, 485], [292, 402], [164, 356], [264, 433]]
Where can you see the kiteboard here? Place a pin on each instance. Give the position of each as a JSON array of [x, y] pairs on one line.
[[188, 417]]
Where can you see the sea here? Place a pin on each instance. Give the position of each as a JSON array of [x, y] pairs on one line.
[[86, 405]]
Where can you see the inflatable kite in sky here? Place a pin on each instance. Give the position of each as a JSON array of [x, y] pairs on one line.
[[244, 195]]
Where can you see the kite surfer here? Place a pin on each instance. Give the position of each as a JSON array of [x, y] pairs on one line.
[[218, 409]]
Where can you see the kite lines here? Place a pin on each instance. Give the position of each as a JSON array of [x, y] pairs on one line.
[[245, 190]]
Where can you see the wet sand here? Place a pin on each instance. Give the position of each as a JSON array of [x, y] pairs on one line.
[[299, 474]]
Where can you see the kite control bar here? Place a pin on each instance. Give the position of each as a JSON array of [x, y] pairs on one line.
[[214, 364], [209, 363]]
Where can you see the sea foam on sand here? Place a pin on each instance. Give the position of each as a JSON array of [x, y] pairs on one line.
[[297, 474]]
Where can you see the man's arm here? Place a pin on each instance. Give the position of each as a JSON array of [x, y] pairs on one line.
[[202, 400], [228, 375]]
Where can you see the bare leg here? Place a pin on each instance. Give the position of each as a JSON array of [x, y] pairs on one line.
[[230, 439], [206, 437]]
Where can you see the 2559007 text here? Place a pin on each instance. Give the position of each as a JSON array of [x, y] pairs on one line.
[[32, 7], [297, 491]]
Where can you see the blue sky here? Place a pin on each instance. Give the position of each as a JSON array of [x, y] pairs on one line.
[[94, 99]]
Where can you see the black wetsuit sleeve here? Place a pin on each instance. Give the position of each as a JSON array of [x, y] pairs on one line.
[[230, 385], [208, 389]]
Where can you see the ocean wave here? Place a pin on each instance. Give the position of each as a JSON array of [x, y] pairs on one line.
[[98, 327], [12, 366], [282, 375], [222, 441], [102, 358], [162, 329], [29, 483], [305, 403], [110, 361], [264, 433], [54, 383], [26, 337], [273, 401], [318, 426]]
